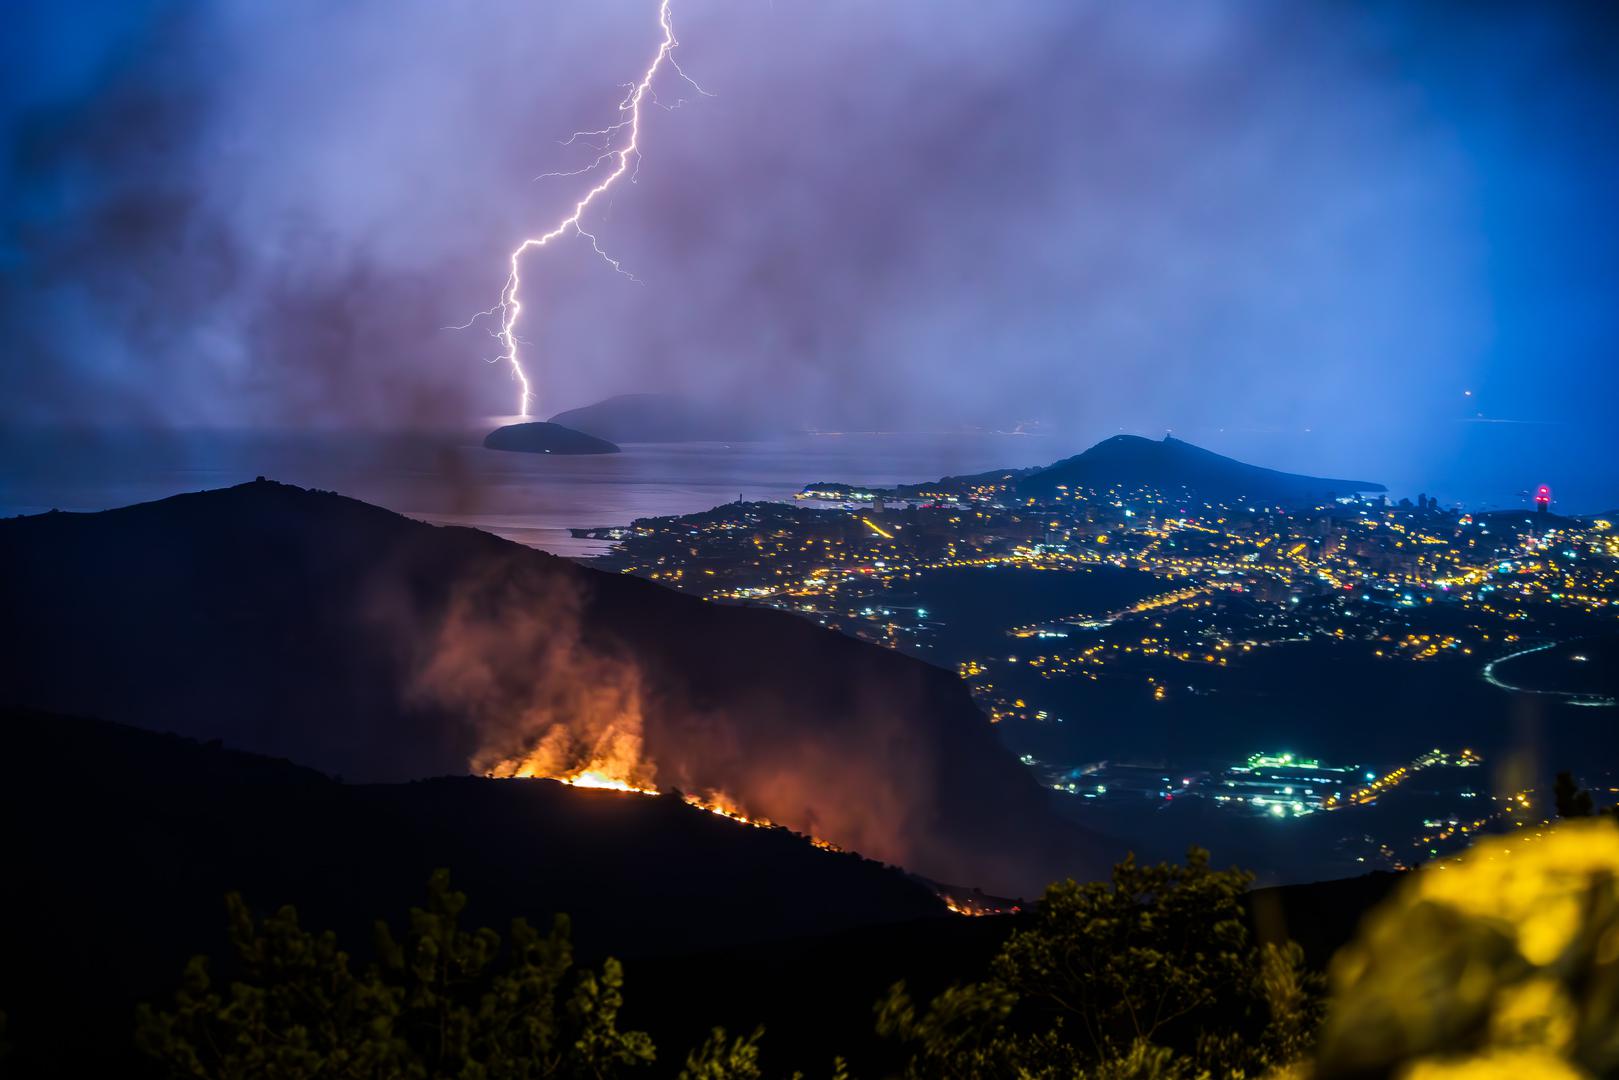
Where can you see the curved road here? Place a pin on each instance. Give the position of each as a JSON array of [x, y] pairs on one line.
[[1573, 697]]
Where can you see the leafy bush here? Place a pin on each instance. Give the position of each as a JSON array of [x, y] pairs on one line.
[[1150, 975], [1501, 963], [444, 1002]]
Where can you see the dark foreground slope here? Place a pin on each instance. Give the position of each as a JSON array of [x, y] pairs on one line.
[[814, 995], [121, 843], [343, 636], [1172, 465]]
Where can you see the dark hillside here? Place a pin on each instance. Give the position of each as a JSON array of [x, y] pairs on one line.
[[661, 418], [305, 625], [1172, 465], [121, 844]]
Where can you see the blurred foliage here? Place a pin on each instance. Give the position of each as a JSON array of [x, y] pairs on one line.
[[1504, 962], [1573, 801], [442, 1002], [1570, 799], [722, 1058], [1150, 975]]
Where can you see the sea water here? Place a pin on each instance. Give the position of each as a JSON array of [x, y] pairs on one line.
[[450, 479]]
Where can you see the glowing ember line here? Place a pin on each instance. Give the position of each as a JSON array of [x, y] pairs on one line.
[[592, 779], [715, 802], [623, 159], [606, 777], [960, 908]]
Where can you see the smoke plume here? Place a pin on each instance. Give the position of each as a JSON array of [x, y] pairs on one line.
[[508, 659]]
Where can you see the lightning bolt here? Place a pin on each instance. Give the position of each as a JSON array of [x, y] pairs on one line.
[[619, 152]]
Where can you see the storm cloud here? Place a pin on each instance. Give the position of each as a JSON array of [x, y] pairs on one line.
[[1369, 223]]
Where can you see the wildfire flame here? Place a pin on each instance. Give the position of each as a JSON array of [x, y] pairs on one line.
[[967, 908], [718, 803], [593, 779], [612, 760], [975, 905], [631, 776]]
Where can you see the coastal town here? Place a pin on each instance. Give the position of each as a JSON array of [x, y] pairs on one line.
[[1139, 602]]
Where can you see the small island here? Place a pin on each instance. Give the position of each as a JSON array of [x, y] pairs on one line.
[[542, 437]]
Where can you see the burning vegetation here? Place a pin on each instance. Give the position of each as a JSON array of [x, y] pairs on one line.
[[866, 761], [622, 769]]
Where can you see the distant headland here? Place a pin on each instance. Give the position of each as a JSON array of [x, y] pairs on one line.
[[663, 418], [1129, 461]]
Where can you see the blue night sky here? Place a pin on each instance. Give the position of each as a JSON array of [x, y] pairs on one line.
[[1369, 238]]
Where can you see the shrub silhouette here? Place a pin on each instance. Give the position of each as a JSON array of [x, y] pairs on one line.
[[442, 1002], [1503, 962], [1150, 975]]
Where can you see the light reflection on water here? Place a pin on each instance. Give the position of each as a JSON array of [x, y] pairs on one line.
[[533, 499]]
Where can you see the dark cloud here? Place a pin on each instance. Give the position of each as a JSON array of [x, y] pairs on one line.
[[1271, 215]]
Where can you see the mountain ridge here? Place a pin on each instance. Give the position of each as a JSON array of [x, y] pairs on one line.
[[662, 418], [343, 636], [1169, 465], [133, 838], [1134, 460]]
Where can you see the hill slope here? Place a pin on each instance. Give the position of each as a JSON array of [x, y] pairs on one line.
[[1170, 465], [343, 636], [121, 843], [133, 839], [657, 418]]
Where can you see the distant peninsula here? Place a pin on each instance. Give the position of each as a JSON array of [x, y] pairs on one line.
[[541, 437], [662, 418], [1123, 462], [1134, 461]]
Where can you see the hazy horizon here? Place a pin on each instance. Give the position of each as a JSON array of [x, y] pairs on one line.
[[447, 474]]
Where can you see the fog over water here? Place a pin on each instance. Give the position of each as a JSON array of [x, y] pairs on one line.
[[534, 499]]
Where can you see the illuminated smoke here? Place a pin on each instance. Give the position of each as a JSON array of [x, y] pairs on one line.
[[527, 668], [544, 703], [620, 149]]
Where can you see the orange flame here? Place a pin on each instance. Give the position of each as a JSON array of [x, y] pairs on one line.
[[616, 765], [964, 908], [717, 802], [593, 779]]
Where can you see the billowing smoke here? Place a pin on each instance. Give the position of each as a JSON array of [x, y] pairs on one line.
[[509, 661], [522, 665], [503, 650]]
